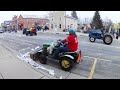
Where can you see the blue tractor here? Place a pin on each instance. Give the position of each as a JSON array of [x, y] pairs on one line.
[[99, 34]]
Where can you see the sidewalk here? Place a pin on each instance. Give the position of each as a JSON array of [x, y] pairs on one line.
[[13, 68]]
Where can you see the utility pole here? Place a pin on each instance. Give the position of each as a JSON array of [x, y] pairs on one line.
[[65, 20], [27, 25], [17, 22]]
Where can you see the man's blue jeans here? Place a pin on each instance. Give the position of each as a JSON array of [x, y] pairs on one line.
[[60, 50]]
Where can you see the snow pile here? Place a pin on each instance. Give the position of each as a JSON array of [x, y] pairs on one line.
[[32, 49], [60, 77], [25, 57], [37, 47]]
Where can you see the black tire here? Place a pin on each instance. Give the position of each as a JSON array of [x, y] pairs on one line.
[[92, 39], [108, 39], [31, 33], [31, 56], [26, 34], [35, 33], [117, 37], [42, 58], [69, 63], [34, 56]]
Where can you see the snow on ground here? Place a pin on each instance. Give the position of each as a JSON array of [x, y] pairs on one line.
[[25, 57], [60, 77], [37, 47]]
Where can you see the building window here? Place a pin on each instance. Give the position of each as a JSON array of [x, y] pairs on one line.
[[51, 25], [59, 18], [56, 26], [71, 25], [60, 26], [68, 26]]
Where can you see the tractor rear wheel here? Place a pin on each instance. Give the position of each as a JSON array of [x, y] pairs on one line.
[[108, 39], [66, 63]]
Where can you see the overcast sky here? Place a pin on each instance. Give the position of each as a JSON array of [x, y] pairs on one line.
[[113, 15]]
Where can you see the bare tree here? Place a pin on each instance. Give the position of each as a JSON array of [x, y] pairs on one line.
[[74, 14], [107, 24]]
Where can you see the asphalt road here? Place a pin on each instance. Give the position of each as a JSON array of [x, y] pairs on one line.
[[107, 57]]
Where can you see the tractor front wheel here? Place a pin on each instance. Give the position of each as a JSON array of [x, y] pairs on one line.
[[92, 39], [42, 58]]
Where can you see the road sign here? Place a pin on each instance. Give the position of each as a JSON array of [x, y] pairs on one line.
[[116, 26]]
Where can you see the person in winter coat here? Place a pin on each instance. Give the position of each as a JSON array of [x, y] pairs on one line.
[[72, 44]]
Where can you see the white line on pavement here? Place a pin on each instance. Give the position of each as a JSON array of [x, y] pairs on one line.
[[98, 58], [102, 60], [116, 64], [115, 46]]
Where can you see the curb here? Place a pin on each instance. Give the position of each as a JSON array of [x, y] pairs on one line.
[[66, 33]]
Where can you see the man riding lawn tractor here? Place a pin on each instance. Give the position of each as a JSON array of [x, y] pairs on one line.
[[66, 51], [32, 31]]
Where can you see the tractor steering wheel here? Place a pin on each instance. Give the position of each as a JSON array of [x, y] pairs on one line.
[[60, 42]]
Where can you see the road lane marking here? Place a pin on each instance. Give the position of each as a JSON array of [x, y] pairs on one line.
[[92, 69], [98, 58], [115, 47]]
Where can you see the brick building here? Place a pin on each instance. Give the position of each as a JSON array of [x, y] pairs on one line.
[[14, 22], [27, 21]]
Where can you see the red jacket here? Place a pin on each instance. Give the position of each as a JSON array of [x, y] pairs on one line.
[[72, 43], [33, 28]]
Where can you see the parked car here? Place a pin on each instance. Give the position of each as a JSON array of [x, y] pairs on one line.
[[1, 30]]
